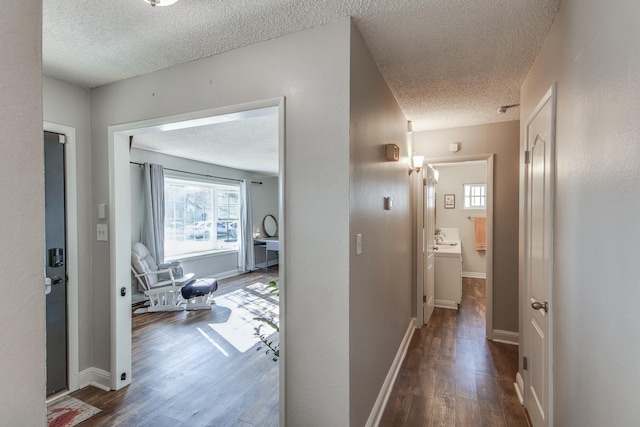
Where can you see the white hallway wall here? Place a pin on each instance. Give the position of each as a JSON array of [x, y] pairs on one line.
[[592, 53], [311, 69]]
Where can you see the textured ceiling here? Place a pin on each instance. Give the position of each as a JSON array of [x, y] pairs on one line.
[[449, 63], [241, 141]]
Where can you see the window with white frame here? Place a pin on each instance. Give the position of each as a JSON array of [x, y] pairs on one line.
[[200, 217], [475, 196]]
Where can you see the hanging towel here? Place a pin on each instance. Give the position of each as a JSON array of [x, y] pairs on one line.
[[481, 233]]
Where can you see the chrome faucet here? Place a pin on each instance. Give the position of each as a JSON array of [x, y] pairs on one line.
[[440, 237]]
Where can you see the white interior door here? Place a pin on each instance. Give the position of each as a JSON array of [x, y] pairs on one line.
[[538, 259], [429, 258]]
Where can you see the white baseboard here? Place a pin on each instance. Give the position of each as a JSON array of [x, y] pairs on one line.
[[519, 385], [227, 274], [271, 264], [95, 377], [474, 275], [441, 303], [506, 337], [387, 386]]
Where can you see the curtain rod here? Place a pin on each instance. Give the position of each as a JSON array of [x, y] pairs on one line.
[[200, 174]]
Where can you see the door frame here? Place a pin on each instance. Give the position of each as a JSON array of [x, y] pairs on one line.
[[489, 158], [120, 230], [522, 377], [71, 208]]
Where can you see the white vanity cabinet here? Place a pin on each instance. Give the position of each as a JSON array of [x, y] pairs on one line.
[[448, 277]]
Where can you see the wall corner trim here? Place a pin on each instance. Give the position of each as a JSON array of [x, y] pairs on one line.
[[389, 381], [506, 337], [96, 377], [519, 386], [474, 275]]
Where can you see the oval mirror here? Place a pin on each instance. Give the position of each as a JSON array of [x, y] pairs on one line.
[[270, 226]]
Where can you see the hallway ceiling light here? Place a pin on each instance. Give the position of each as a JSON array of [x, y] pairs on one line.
[[160, 2]]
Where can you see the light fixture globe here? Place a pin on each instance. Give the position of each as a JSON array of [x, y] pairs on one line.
[[160, 2]]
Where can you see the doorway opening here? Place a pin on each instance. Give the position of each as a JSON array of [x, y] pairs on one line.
[[65, 275], [120, 220], [450, 199]]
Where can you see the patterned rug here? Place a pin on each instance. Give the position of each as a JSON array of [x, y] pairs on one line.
[[68, 411]]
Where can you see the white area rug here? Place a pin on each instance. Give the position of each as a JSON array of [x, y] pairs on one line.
[[69, 411]]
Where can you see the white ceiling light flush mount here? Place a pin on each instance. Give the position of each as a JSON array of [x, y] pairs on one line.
[[160, 2]]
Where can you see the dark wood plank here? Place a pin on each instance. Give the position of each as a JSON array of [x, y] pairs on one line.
[[453, 376], [180, 378]]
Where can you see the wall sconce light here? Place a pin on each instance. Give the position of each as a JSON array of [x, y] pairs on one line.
[[416, 163]]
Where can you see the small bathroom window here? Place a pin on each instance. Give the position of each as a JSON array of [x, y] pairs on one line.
[[475, 196]]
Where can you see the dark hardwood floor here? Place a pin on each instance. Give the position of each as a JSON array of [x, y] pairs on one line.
[[198, 368], [453, 376]]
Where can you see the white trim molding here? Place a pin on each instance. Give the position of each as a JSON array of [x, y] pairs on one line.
[[96, 377], [474, 275], [387, 386], [519, 386], [506, 337], [441, 303]]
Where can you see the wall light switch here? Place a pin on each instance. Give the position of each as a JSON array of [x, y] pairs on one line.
[[388, 203], [358, 244], [455, 147], [103, 233]]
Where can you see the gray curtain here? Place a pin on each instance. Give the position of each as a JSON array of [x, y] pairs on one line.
[[246, 255], [153, 224]]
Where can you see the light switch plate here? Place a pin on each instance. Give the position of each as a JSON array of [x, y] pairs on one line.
[[102, 211], [103, 232]]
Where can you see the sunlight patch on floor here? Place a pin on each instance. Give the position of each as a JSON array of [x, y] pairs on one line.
[[245, 306], [215, 344]]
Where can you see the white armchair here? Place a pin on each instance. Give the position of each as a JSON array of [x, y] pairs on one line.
[[159, 284]]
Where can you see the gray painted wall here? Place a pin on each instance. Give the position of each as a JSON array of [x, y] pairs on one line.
[[592, 54], [319, 388], [503, 140], [22, 359], [451, 181], [311, 69], [380, 277]]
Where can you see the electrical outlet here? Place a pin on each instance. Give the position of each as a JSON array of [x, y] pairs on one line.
[[102, 233]]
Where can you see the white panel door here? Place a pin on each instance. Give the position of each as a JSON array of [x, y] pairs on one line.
[[538, 259], [429, 258]]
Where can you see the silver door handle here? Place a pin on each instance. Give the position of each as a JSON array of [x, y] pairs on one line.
[[537, 306]]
